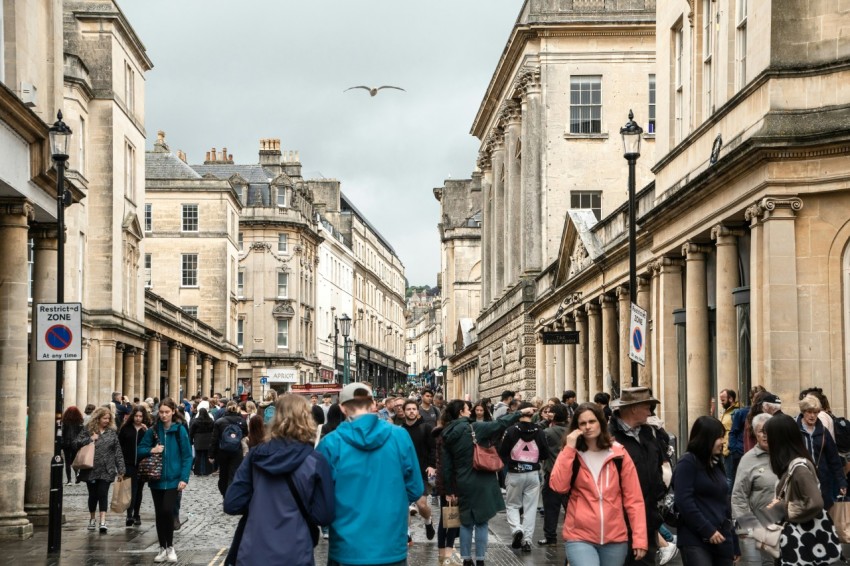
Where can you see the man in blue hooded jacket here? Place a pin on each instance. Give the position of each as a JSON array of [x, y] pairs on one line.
[[371, 460]]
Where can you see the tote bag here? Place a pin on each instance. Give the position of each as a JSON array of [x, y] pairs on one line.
[[451, 516], [122, 495], [85, 458]]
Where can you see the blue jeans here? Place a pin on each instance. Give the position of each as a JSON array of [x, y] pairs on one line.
[[589, 554], [332, 562], [480, 541]]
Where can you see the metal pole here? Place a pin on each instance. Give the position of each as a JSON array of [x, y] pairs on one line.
[[54, 532], [345, 367], [336, 350], [632, 255]]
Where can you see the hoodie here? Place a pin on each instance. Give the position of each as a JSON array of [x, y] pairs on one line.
[[274, 516], [529, 456], [376, 473]]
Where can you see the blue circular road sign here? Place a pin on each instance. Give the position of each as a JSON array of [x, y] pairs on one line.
[[637, 339], [58, 337]]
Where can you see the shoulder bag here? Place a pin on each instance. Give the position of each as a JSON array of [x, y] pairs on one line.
[[84, 460], [150, 467], [315, 532], [484, 459]]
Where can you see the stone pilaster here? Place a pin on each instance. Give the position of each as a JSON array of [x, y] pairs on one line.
[[174, 370], [513, 193], [594, 349], [696, 342], [624, 311], [569, 360], [540, 364], [117, 383], [643, 294], [14, 217], [191, 372], [206, 375], [486, 228], [581, 356], [531, 188], [42, 383], [153, 376], [139, 375], [498, 204], [220, 378], [129, 375], [726, 341], [669, 299], [610, 342], [83, 376]]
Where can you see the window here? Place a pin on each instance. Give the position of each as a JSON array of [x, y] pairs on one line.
[[148, 271], [240, 283], [189, 270], [190, 218], [281, 243], [282, 284], [129, 171], [707, 53], [587, 199], [281, 197], [148, 217], [585, 105], [650, 127], [282, 333], [240, 332], [240, 241], [191, 311], [678, 45], [129, 88], [81, 136], [741, 43]]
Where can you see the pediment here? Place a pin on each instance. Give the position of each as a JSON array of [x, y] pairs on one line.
[[132, 226], [237, 179], [282, 180], [579, 245]]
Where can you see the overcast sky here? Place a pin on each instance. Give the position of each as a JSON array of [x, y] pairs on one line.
[[229, 73]]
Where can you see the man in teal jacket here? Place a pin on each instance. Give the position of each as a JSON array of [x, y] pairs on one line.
[[371, 460]]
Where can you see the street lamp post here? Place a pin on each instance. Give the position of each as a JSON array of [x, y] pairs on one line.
[[60, 135], [345, 329], [336, 349], [631, 134]]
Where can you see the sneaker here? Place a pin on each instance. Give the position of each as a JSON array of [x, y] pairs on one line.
[[504, 491], [170, 555], [667, 553], [92, 525], [526, 546], [479, 563], [409, 540], [160, 557], [413, 510], [547, 542], [468, 562], [129, 522], [325, 536], [429, 531], [137, 521], [517, 541], [103, 528]]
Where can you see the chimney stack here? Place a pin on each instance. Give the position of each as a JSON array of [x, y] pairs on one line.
[[181, 155], [292, 164], [270, 153]]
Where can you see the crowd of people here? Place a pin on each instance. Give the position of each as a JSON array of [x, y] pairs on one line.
[[318, 467]]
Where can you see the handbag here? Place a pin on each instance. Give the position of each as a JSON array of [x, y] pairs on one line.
[[668, 510], [812, 543], [150, 467], [122, 495], [768, 538], [484, 459], [451, 516], [84, 460], [840, 515]]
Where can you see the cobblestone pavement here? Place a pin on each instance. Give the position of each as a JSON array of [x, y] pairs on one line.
[[206, 534]]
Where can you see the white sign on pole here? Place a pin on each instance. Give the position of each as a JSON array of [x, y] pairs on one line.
[[637, 335], [59, 331]]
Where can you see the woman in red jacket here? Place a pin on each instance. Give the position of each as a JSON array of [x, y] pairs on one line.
[[602, 483]]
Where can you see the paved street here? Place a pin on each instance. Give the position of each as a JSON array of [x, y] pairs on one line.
[[206, 534]]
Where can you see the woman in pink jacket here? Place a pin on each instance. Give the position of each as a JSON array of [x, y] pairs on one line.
[[602, 483]]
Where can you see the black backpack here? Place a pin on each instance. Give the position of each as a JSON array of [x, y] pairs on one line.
[[842, 434], [231, 439]]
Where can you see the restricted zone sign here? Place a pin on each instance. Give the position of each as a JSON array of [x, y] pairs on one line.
[[58, 328], [637, 335]]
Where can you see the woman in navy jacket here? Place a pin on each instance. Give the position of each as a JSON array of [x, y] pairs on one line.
[[706, 534], [822, 450], [274, 515]]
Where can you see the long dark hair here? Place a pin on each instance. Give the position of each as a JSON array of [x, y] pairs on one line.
[[128, 420], [72, 417], [333, 420], [483, 405], [256, 430], [455, 406], [704, 434], [784, 442], [203, 416], [604, 441]]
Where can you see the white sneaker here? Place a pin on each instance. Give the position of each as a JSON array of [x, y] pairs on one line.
[[160, 557], [171, 555], [667, 553]]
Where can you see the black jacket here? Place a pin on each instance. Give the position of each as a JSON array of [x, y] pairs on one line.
[[423, 442], [129, 438], [200, 433], [218, 430], [318, 414], [529, 432], [647, 455]]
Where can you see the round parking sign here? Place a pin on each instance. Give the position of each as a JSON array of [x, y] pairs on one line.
[[637, 339], [58, 337]]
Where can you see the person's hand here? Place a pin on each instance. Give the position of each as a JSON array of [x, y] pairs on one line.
[[157, 449], [211, 460], [528, 411], [431, 471], [144, 426], [452, 499], [716, 538], [843, 491], [181, 486], [639, 553], [573, 437]]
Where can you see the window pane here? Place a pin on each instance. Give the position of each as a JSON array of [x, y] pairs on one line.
[[281, 242], [190, 270], [282, 284], [585, 105], [190, 218]]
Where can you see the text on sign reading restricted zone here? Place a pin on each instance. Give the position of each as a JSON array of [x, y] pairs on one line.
[[58, 330]]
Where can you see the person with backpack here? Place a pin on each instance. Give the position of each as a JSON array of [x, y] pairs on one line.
[[605, 501], [226, 445], [552, 502], [523, 448]]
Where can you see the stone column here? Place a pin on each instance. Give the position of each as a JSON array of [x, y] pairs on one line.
[[561, 376], [154, 356], [486, 227], [129, 372], [206, 375], [624, 312], [191, 372], [498, 203], [540, 365], [220, 379], [581, 356], [255, 383], [570, 359], [139, 372], [533, 141], [654, 317], [513, 204], [670, 299], [774, 296], [118, 371], [14, 216], [83, 376], [174, 370], [696, 310], [610, 343], [726, 342], [42, 382], [594, 349], [69, 388], [645, 371]]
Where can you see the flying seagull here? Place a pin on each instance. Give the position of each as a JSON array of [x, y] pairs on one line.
[[373, 91]]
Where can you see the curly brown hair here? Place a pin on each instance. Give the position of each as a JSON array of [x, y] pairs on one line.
[[293, 420], [93, 425]]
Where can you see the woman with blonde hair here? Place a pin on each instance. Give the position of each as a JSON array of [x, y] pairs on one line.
[[108, 461], [296, 488]]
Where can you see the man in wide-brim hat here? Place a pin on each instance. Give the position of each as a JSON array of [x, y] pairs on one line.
[[647, 448]]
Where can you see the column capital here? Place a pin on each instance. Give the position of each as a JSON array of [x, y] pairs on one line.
[[669, 264], [190, 350], [773, 207], [174, 345], [643, 283], [592, 308], [528, 80], [622, 292], [119, 347], [496, 140], [579, 315], [17, 207], [45, 235], [511, 113], [130, 350], [206, 357], [691, 249], [724, 235], [607, 301]]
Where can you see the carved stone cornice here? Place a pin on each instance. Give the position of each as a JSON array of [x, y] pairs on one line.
[[693, 249], [770, 207], [725, 235]]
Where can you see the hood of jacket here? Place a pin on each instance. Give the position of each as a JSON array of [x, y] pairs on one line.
[[527, 431], [366, 432], [456, 428], [279, 456]]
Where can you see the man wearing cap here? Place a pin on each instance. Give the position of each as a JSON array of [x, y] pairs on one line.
[[371, 461], [628, 427], [771, 404]]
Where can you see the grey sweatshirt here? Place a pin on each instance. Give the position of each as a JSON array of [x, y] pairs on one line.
[[755, 485]]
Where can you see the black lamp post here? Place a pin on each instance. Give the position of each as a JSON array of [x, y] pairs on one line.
[[345, 329], [60, 135], [336, 351], [631, 134]]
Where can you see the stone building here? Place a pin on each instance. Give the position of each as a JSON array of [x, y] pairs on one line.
[[460, 260], [548, 125], [424, 345]]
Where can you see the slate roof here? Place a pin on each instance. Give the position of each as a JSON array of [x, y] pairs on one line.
[[162, 164], [346, 204], [254, 174]]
